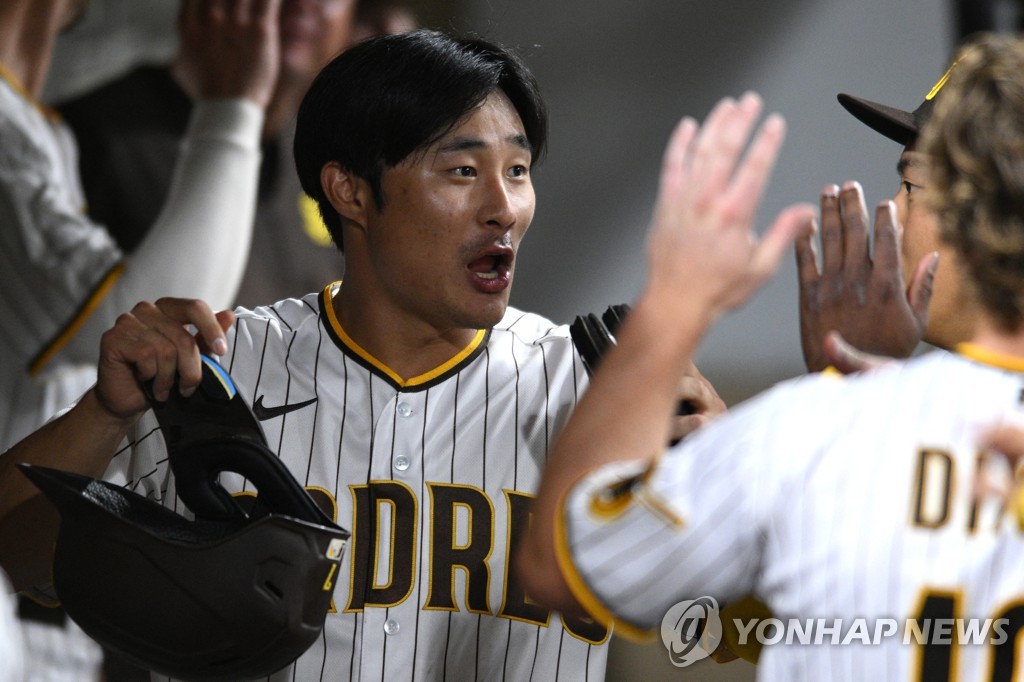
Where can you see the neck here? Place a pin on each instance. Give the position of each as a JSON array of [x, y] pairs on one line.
[[991, 337], [28, 32], [407, 344]]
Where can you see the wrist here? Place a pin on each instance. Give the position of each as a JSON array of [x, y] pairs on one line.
[[108, 423]]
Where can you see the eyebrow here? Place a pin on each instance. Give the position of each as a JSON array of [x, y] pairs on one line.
[[461, 144], [905, 162]]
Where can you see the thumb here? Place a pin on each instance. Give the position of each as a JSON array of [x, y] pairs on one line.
[[848, 359], [919, 293]]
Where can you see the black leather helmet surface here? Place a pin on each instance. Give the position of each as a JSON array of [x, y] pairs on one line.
[[228, 595]]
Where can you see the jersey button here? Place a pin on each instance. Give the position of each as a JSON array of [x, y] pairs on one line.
[[391, 626], [401, 463], [404, 409]]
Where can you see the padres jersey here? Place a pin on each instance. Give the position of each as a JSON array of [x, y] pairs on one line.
[[843, 500], [432, 476]]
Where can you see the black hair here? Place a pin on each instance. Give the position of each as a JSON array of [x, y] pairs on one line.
[[382, 100]]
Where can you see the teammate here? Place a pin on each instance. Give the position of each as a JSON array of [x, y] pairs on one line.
[[63, 279], [828, 498], [126, 175], [911, 287], [411, 401]]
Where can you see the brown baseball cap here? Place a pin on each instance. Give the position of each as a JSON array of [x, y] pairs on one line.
[[896, 124]]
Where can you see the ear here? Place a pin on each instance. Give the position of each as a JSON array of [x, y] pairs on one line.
[[349, 195]]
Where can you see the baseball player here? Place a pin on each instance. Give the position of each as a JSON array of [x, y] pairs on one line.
[[64, 279], [833, 500], [409, 399], [909, 286]]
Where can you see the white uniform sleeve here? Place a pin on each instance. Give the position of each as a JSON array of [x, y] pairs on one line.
[[199, 246], [634, 540]]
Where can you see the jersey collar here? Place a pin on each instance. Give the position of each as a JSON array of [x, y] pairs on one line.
[[985, 356], [341, 338]]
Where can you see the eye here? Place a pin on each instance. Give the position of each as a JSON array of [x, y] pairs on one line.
[[465, 171], [518, 172], [909, 187]]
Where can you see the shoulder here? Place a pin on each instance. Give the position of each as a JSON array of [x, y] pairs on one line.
[[283, 318], [530, 327]]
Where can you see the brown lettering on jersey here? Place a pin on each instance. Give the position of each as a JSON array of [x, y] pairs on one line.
[[382, 576], [933, 486], [515, 603], [461, 538]]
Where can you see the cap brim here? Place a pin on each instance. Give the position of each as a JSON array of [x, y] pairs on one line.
[[895, 124]]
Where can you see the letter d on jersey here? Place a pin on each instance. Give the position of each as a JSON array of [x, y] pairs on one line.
[[691, 630]]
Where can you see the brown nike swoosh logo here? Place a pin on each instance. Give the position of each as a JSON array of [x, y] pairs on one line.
[[264, 413]]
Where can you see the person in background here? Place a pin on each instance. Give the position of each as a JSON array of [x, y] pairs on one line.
[[129, 132], [63, 279], [836, 501]]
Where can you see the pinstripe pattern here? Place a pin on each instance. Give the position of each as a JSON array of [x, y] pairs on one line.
[[807, 497], [52, 258], [422, 461]]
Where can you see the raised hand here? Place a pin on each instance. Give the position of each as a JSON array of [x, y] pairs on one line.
[[229, 48], [859, 294], [701, 243]]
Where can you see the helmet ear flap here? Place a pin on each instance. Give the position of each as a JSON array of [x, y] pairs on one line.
[[197, 468]]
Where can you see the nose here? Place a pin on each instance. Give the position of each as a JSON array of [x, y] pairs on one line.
[[497, 208]]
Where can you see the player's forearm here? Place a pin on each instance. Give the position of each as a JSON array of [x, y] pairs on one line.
[[199, 246], [624, 415], [82, 440]]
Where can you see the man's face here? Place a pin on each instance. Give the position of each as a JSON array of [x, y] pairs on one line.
[[949, 321], [442, 249], [312, 32]]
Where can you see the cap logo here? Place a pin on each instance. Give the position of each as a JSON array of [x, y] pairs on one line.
[[942, 81]]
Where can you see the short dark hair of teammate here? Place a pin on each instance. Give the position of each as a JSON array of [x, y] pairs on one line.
[[975, 139], [385, 99]]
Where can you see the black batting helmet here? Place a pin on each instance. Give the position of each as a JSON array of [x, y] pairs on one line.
[[228, 595]]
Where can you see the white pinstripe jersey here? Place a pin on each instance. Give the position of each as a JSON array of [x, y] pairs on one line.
[[52, 259], [431, 478], [826, 498]]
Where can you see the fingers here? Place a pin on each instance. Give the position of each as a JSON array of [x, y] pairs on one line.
[[676, 158], [856, 256], [752, 175], [684, 426], [155, 341], [831, 230], [718, 147]]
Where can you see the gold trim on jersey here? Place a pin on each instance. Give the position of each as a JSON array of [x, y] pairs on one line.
[[985, 356], [79, 318], [578, 586], [20, 88], [420, 381]]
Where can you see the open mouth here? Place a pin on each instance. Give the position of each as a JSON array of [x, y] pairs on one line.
[[492, 269]]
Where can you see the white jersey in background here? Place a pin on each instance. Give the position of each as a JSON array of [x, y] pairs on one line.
[[833, 499]]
